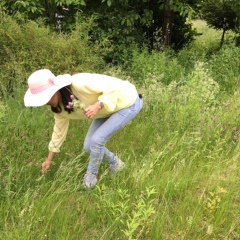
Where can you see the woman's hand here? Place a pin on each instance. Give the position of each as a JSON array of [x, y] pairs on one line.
[[46, 164], [92, 110]]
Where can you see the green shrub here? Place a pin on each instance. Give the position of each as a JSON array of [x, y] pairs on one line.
[[224, 67], [185, 101], [33, 46], [162, 66]]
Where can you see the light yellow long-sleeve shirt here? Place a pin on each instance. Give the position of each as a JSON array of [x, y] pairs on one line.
[[115, 94]]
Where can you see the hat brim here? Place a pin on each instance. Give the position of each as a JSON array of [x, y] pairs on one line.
[[40, 99]]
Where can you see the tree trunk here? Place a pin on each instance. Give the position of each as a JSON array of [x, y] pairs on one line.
[[222, 40], [167, 27]]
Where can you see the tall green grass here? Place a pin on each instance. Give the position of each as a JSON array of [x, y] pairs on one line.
[[181, 179]]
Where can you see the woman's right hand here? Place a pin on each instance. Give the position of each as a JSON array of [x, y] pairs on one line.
[[46, 164]]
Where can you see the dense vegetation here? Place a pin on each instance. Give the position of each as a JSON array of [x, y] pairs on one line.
[[124, 25], [182, 151]]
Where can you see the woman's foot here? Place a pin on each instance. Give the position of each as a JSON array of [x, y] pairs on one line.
[[90, 180], [117, 167]]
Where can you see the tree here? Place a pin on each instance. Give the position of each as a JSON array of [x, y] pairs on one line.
[[52, 11], [222, 15], [142, 22], [122, 24], [171, 8]]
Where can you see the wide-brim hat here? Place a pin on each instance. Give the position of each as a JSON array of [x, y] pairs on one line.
[[42, 86]]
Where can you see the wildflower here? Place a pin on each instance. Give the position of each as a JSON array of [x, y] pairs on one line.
[[76, 104]]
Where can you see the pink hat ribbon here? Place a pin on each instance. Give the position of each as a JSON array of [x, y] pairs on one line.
[[38, 89]]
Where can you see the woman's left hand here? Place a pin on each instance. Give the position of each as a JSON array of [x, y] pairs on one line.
[[92, 110]]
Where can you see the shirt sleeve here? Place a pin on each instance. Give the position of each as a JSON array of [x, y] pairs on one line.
[[109, 98], [59, 133], [104, 86]]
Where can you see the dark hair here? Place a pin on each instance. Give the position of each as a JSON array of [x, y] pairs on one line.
[[65, 95]]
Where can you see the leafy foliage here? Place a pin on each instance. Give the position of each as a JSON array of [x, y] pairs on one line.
[[227, 75], [33, 46], [161, 67], [125, 24], [59, 14], [220, 14]]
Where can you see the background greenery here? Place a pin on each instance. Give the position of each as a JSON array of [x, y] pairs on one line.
[[181, 151], [125, 25]]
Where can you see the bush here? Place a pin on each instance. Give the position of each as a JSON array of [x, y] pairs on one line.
[[183, 103], [224, 67], [158, 65], [33, 46]]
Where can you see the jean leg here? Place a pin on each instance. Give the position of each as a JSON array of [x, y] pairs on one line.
[[92, 148], [101, 131], [92, 129]]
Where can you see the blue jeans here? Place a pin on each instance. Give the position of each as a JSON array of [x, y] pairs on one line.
[[101, 130]]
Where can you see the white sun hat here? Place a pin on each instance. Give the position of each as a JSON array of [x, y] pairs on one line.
[[42, 86]]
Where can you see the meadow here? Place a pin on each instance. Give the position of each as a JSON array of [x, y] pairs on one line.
[[182, 175]]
